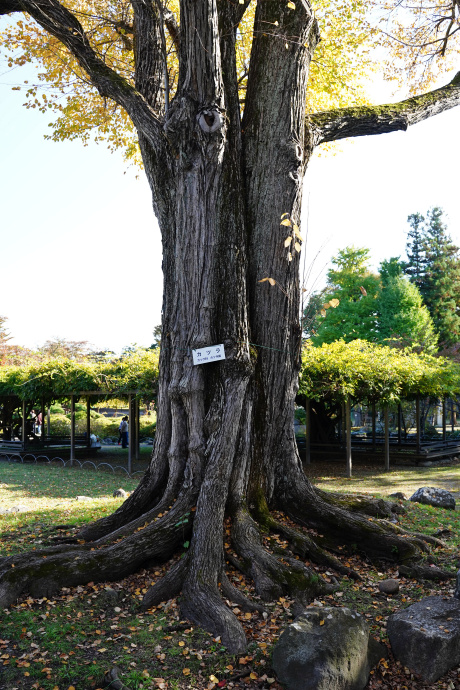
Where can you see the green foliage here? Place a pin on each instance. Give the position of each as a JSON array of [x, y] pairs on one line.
[[434, 266], [368, 371], [355, 288], [59, 425], [401, 315], [56, 379]]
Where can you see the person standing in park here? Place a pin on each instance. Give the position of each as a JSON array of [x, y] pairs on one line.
[[123, 429]]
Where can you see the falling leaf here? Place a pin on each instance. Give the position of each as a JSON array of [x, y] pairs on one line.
[[287, 241], [363, 291], [286, 221]]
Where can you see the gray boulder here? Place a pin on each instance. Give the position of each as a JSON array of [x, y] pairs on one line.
[[119, 493], [425, 637], [390, 586], [430, 495], [326, 648]]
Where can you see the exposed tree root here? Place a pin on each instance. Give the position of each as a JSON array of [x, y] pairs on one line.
[[199, 575], [425, 572], [237, 597], [47, 571], [272, 578], [305, 547], [377, 539], [374, 507]]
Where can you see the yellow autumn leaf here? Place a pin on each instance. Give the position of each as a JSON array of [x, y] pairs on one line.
[[253, 676], [272, 281], [289, 256], [297, 247], [287, 241], [181, 644], [285, 215], [186, 671], [323, 312], [321, 622], [291, 5], [213, 679], [286, 221], [334, 302]]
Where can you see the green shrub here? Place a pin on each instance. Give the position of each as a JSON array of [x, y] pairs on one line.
[[59, 425], [57, 409]]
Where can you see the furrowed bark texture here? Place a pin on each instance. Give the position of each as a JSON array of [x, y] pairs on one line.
[[225, 444]]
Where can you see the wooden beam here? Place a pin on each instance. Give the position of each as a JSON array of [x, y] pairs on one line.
[[387, 439], [348, 433], [23, 430], [417, 423], [307, 431], [130, 432], [88, 423], [72, 430]]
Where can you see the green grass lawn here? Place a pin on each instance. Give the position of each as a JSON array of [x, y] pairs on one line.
[[72, 639]]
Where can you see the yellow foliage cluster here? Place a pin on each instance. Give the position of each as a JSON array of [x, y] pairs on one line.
[[416, 32]]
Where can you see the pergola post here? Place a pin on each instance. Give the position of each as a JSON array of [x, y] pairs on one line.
[[444, 411], [42, 425], [88, 422], [417, 423], [307, 431], [374, 428], [399, 424], [130, 432], [23, 430], [138, 425], [348, 433], [48, 421], [387, 439], [452, 414], [72, 430]]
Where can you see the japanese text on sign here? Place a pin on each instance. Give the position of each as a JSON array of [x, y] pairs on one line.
[[208, 354]]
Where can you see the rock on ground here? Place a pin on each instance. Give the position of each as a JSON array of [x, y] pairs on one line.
[[432, 496], [326, 648], [425, 637]]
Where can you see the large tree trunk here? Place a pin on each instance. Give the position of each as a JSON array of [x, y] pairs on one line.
[[225, 442]]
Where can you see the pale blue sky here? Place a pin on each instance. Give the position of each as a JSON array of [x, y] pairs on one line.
[[81, 253]]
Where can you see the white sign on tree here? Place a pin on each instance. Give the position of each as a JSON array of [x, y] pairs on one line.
[[211, 353]]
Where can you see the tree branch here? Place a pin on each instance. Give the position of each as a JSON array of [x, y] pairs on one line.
[[62, 24], [380, 119]]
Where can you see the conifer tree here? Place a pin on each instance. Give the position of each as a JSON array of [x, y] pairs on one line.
[[415, 249], [440, 287]]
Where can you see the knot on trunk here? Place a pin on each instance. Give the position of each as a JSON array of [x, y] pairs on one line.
[[210, 119]]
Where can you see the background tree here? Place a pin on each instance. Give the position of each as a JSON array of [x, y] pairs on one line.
[[441, 287], [415, 249], [356, 289], [225, 138], [403, 320]]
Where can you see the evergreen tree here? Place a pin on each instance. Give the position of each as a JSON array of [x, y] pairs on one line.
[[415, 249], [440, 287], [402, 318], [355, 288]]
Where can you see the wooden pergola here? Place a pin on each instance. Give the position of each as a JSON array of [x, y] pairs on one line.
[[417, 450], [44, 439]]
